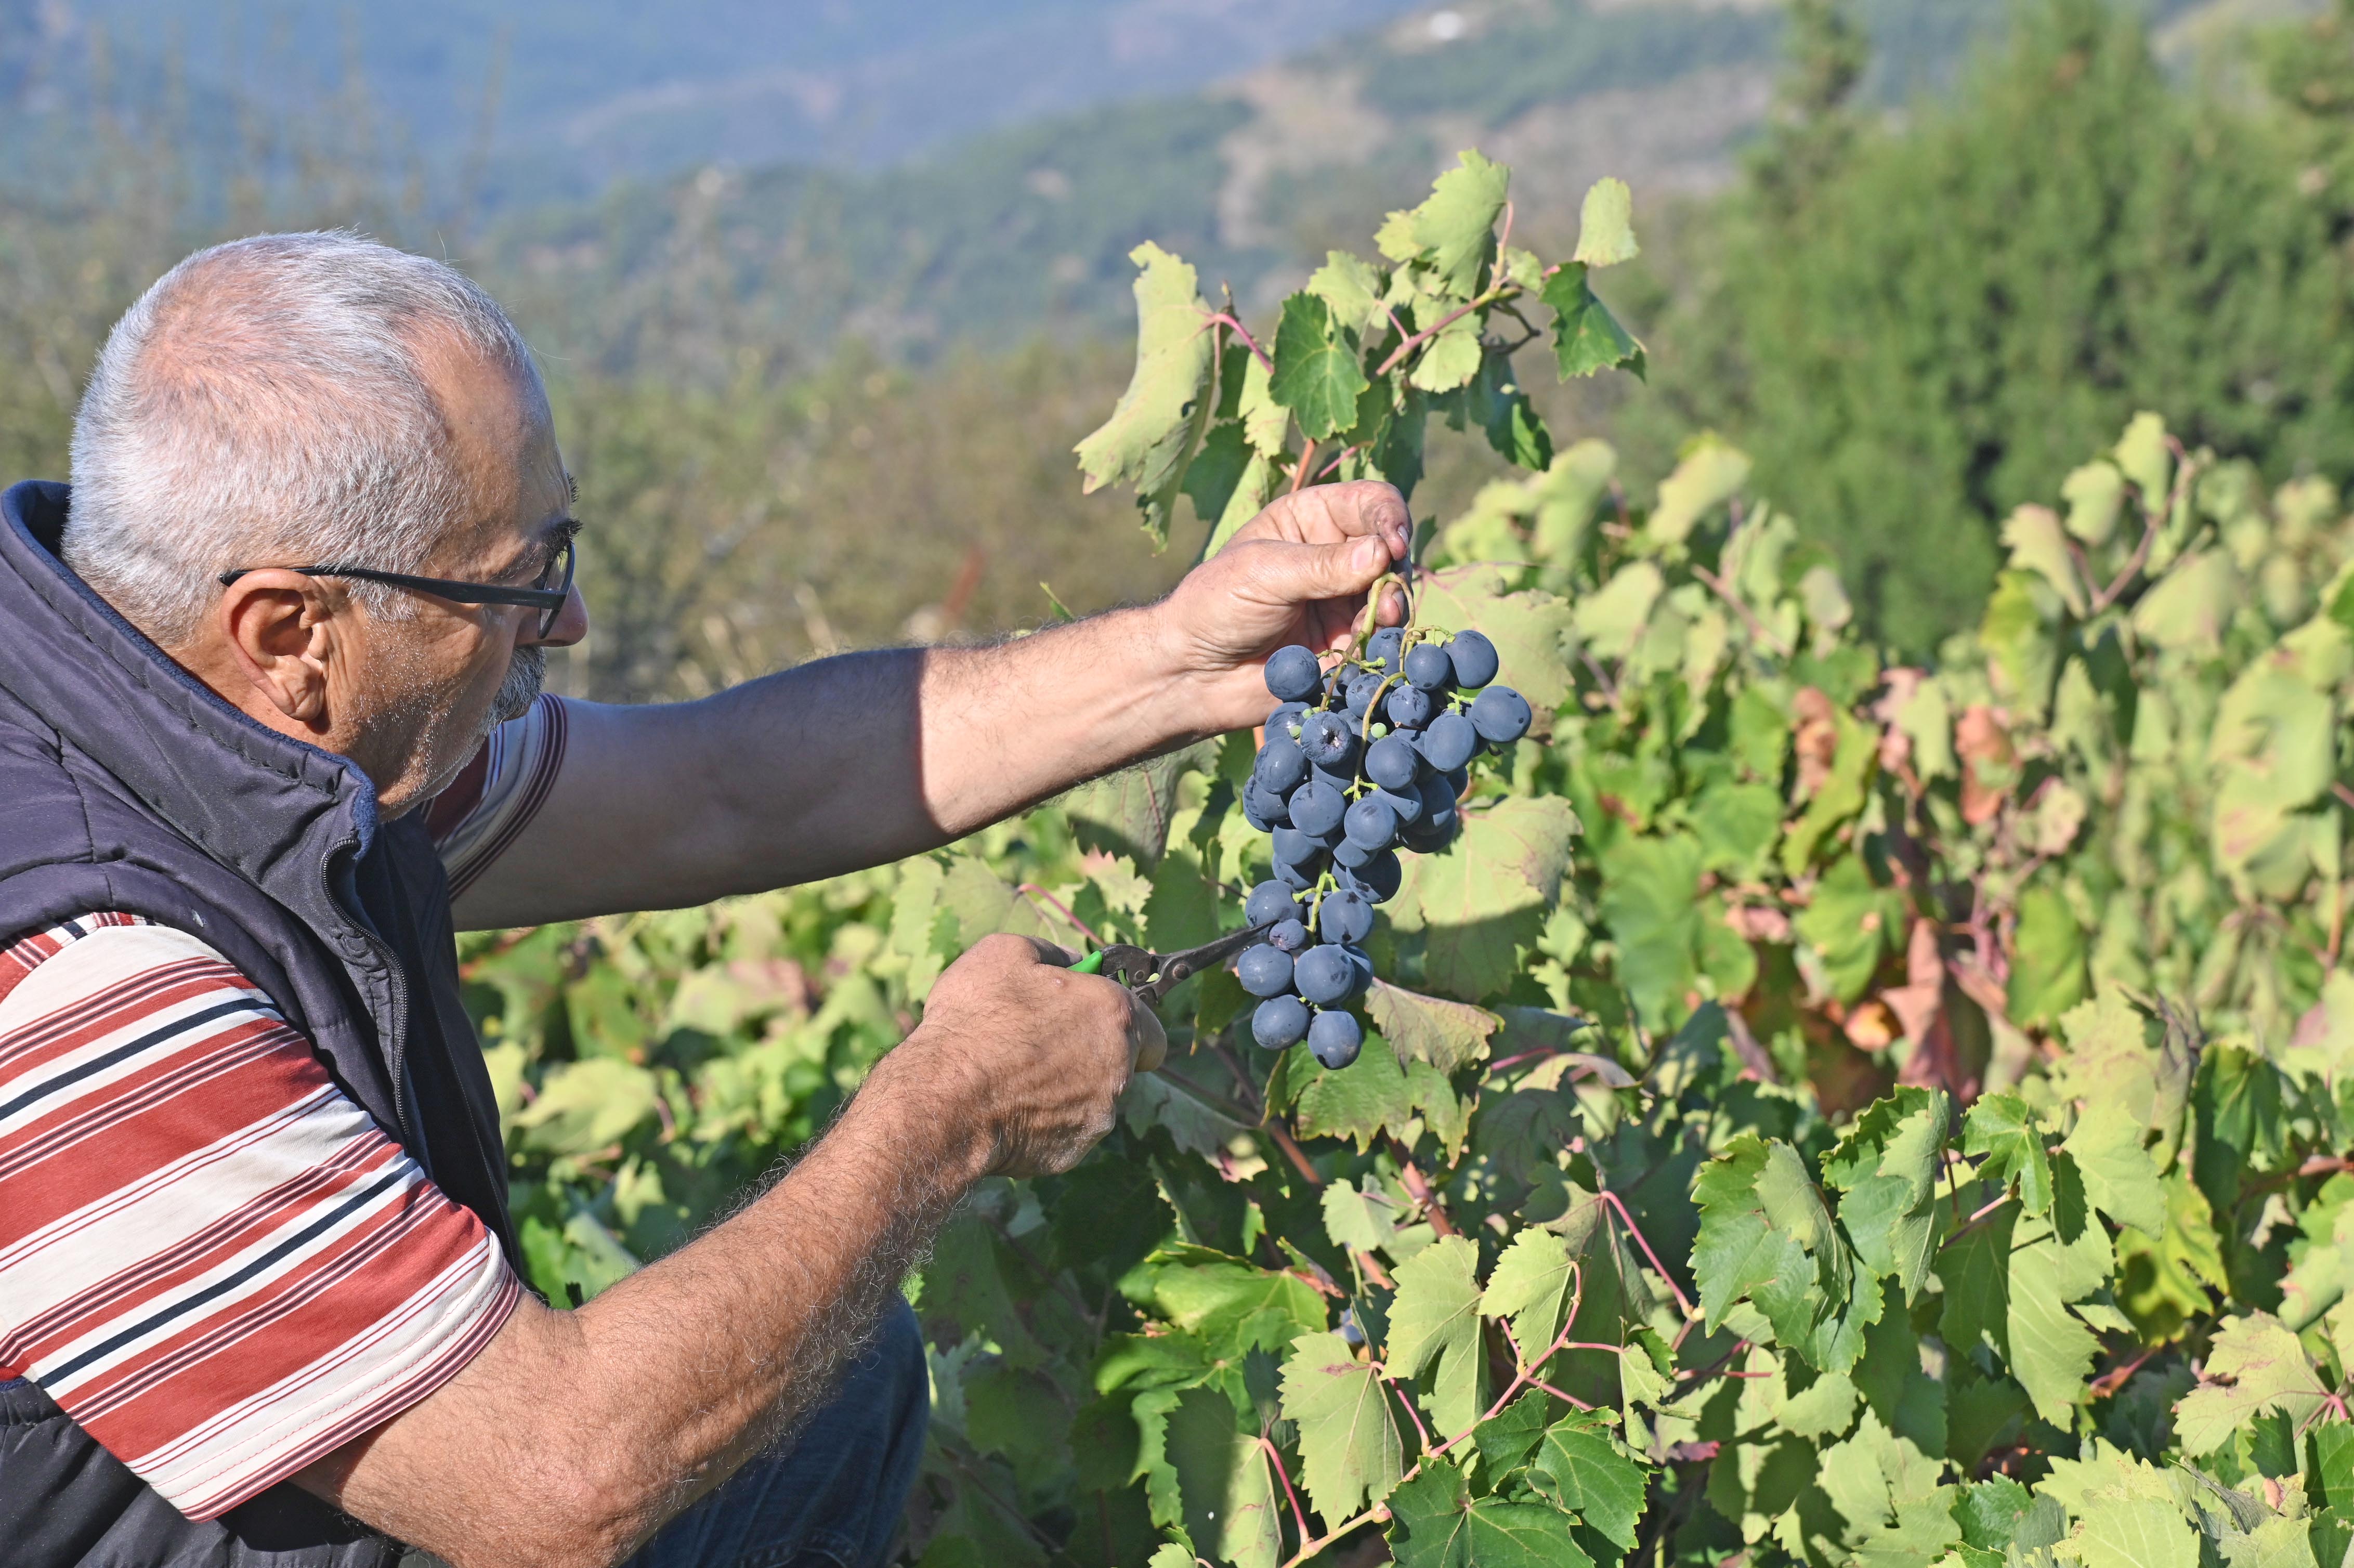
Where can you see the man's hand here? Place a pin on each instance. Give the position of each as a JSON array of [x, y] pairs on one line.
[[1037, 1054], [1295, 573]]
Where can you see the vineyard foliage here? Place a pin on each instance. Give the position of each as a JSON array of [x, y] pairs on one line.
[[1828, 1111]]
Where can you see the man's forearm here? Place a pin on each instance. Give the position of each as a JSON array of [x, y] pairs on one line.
[[575, 1435], [842, 763]]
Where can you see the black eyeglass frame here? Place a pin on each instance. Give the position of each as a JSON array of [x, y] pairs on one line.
[[548, 601]]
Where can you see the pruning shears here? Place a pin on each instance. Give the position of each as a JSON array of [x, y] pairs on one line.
[[1152, 976]]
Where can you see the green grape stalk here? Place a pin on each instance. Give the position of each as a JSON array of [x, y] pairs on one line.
[[1815, 1110]]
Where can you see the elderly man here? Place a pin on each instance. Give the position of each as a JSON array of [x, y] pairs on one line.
[[268, 731]]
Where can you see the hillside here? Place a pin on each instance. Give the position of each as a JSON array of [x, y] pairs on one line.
[[1003, 235]]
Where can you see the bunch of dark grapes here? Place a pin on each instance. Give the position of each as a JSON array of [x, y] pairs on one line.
[[1360, 761]]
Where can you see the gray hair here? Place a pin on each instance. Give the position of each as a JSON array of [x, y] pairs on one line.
[[263, 404]]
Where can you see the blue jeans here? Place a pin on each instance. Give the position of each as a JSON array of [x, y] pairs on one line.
[[834, 1498]]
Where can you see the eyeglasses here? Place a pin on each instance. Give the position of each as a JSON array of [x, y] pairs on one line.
[[549, 601]]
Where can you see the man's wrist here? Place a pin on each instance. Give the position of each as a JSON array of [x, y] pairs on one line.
[[926, 1094]]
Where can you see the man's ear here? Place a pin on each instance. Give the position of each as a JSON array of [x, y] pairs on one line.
[[282, 630]]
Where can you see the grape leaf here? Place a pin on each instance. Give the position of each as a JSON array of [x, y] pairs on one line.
[[1316, 374], [1149, 439], [2134, 1533], [1224, 1476], [1446, 1034], [2119, 1179], [1586, 337], [2001, 1127], [1527, 627], [1531, 1287], [1886, 1166], [1435, 1328], [2049, 1349], [1506, 1440], [1452, 357], [588, 1104], [1582, 1470], [1455, 224], [1349, 1446], [1606, 234], [1651, 899], [2255, 1365], [1352, 287], [1265, 421], [1371, 1094], [1710, 474], [1361, 1222], [1435, 1522], [1479, 900], [1230, 1303], [1765, 1236]]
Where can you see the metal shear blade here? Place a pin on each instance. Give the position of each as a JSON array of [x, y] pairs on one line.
[[1152, 976]]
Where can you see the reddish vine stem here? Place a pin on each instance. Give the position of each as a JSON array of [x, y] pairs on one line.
[[1223, 319], [1641, 1240], [1293, 1152], [1419, 1188], [1041, 895], [1299, 475], [1298, 1514], [1724, 590]]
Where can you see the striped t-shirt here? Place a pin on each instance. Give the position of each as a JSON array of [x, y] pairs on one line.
[[211, 1257]]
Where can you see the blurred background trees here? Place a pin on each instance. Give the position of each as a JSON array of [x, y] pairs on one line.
[[824, 306]]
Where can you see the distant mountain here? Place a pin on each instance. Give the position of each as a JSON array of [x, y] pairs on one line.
[[590, 90], [998, 236]]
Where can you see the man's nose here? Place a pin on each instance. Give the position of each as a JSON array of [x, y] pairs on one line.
[[571, 624]]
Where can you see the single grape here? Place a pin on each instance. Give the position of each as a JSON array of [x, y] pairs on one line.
[[1342, 778], [1265, 970], [1474, 658], [1360, 970], [1349, 856], [1298, 878], [1408, 707], [1343, 915], [1323, 974], [1405, 805], [1362, 689], [1280, 1023], [1284, 718], [1377, 879], [1501, 716], [1458, 779], [1371, 824], [1351, 1335], [1317, 808], [1427, 668], [1287, 936], [1293, 672], [1449, 742], [1437, 795], [1293, 847], [1270, 902], [1382, 648], [1431, 834], [1281, 765], [1392, 763], [1329, 741], [1336, 1038], [1265, 808]]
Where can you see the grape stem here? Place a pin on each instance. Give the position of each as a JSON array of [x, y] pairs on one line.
[[1419, 1188], [1226, 319]]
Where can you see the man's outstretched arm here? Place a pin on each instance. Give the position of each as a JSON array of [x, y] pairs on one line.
[[866, 757], [574, 1436]]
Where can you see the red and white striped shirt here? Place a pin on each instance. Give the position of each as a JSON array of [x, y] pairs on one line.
[[211, 1257]]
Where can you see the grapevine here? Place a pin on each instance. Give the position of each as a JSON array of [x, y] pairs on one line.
[[1810, 1111]]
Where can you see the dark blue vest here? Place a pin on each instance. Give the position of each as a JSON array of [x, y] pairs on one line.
[[126, 784]]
